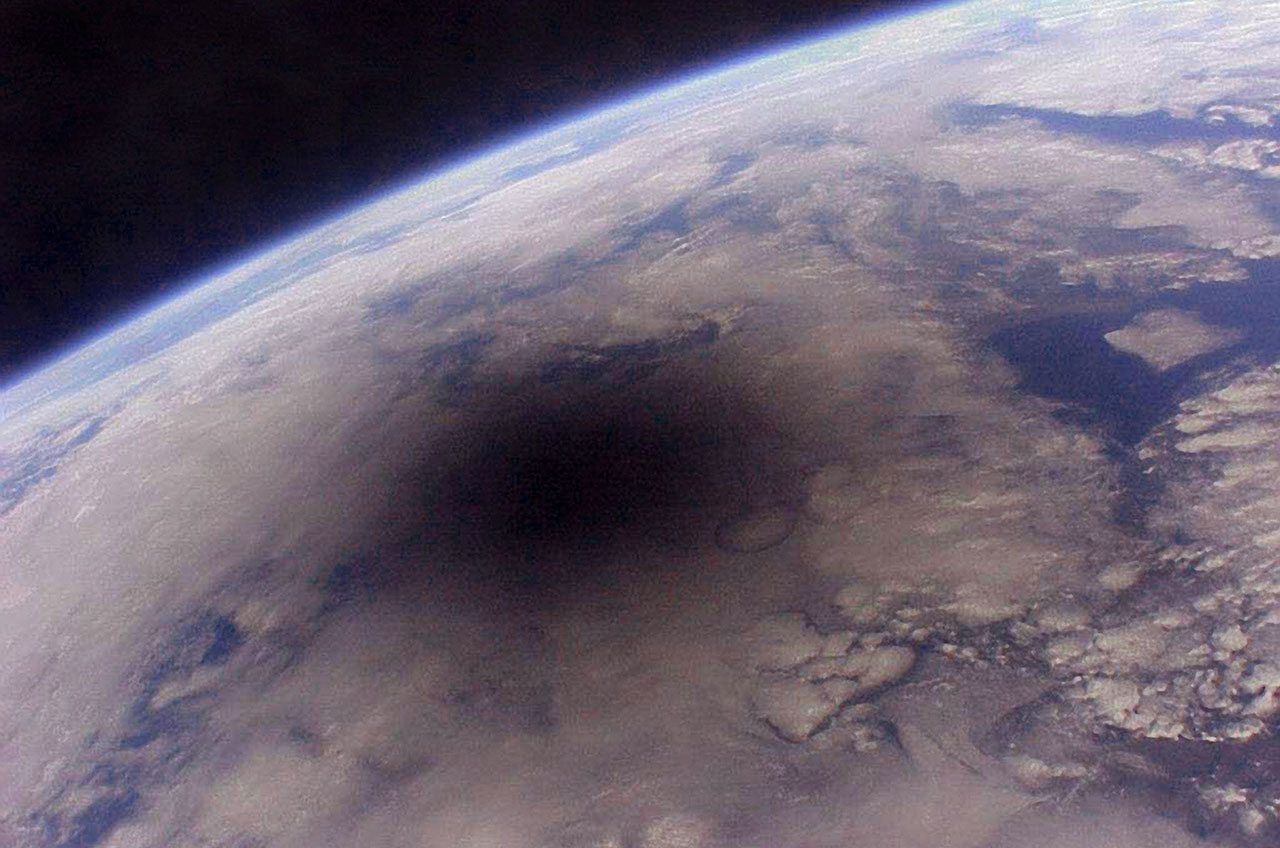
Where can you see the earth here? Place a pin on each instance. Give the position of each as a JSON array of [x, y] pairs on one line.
[[874, 443]]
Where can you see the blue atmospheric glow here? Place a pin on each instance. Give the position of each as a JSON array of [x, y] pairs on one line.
[[669, 91]]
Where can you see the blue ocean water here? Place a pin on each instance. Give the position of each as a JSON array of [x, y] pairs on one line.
[[1066, 357]]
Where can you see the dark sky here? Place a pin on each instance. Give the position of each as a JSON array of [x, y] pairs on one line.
[[141, 142]]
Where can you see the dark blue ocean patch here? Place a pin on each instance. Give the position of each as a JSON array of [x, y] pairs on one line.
[[672, 220], [1252, 307], [224, 639], [805, 137], [116, 776], [87, 433], [532, 169], [1067, 358], [395, 303], [375, 240], [1146, 128], [732, 165], [208, 639], [21, 473], [20, 480], [97, 821], [458, 210], [602, 138], [148, 724], [353, 580]]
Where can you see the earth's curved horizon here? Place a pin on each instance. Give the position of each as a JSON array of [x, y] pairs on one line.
[[867, 444]]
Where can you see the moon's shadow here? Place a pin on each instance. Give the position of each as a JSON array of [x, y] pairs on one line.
[[539, 489]]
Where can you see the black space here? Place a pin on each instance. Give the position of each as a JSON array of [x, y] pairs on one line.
[[141, 142]]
